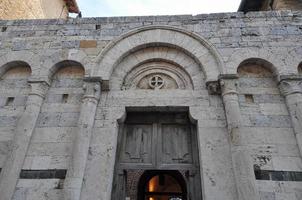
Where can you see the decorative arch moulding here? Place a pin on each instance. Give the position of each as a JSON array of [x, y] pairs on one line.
[[199, 49]]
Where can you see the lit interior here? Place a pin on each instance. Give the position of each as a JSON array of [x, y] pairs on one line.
[[164, 187]]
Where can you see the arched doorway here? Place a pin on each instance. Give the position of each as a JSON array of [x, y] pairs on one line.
[[162, 185], [157, 147]]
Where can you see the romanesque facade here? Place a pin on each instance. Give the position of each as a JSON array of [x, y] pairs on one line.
[[163, 107]]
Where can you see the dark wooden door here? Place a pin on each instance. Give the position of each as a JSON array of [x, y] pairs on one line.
[[156, 141]]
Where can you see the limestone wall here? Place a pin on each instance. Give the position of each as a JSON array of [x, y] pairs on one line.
[[269, 43]]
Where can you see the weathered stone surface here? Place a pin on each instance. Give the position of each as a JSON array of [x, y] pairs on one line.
[[253, 120]]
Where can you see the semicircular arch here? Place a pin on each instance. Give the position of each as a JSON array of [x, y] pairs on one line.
[[62, 64], [258, 62], [13, 58], [167, 57], [262, 57], [204, 53], [10, 65]]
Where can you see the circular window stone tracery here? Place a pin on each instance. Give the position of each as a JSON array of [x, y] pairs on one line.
[[156, 82]]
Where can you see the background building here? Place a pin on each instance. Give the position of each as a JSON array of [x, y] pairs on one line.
[[37, 9], [179, 107], [265, 5]]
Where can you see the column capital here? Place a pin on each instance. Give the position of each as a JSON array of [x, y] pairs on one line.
[[228, 84], [291, 84], [92, 88], [38, 88], [213, 87]]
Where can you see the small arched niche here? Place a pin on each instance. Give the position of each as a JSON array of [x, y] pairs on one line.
[[66, 83], [256, 80], [15, 70], [256, 68], [14, 84], [68, 70]]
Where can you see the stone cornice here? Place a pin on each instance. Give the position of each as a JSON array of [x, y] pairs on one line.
[[93, 79], [228, 76]]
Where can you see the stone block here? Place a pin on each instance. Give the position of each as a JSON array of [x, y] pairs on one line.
[[69, 119], [88, 44], [267, 196], [49, 119], [49, 149]]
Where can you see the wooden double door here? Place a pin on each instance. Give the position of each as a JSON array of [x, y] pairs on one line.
[[161, 141]]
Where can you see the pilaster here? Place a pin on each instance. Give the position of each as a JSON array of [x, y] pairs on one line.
[[22, 137], [291, 89], [241, 159], [81, 143]]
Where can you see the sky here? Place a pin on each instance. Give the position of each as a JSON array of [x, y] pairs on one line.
[[107, 8]]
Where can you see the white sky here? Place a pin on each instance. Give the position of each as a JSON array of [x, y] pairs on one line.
[[102, 8]]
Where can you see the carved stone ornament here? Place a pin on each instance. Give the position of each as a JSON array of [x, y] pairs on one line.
[[92, 90], [288, 87], [39, 88], [156, 82], [228, 86], [157, 75], [214, 88]]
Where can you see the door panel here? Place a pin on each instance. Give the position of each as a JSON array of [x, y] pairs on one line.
[[176, 145], [137, 144]]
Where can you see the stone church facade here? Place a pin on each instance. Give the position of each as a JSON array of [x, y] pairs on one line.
[[160, 107]]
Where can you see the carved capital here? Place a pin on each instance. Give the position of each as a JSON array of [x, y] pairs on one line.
[[38, 88], [92, 90], [290, 86], [214, 87], [228, 86]]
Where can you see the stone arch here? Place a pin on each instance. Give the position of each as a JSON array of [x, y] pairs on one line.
[[10, 65], [267, 59], [180, 64], [63, 64], [257, 64], [50, 62], [194, 45], [12, 58]]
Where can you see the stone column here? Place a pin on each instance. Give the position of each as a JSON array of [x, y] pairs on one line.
[[23, 133], [291, 89], [242, 164], [75, 173]]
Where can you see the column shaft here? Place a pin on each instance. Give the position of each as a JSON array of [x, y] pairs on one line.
[[292, 90], [22, 137], [81, 143], [242, 165]]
